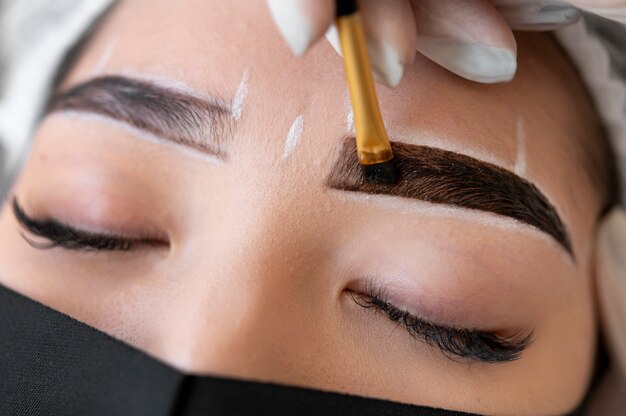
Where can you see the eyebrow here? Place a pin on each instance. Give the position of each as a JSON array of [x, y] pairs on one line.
[[203, 124], [425, 173], [444, 177]]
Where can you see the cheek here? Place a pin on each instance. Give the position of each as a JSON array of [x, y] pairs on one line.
[[160, 308], [251, 285], [103, 294], [563, 354]]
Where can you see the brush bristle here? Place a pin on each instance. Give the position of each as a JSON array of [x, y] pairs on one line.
[[346, 7], [381, 173]]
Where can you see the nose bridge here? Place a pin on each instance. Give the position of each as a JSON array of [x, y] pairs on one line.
[[249, 285]]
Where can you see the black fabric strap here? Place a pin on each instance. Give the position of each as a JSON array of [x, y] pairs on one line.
[[219, 396], [51, 364]]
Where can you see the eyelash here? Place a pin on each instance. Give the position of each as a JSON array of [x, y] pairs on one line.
[[469, 344], [67, 237]]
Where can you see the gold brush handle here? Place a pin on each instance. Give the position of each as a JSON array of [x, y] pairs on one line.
[[372, 141]]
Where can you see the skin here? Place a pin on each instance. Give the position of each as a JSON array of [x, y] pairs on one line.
[[261, 251]]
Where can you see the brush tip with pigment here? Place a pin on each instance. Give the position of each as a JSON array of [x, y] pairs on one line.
[[384, 173]]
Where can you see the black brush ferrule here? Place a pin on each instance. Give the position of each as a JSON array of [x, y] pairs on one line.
[[346, 7]]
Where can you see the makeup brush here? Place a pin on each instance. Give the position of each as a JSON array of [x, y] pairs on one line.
[[372, 143]]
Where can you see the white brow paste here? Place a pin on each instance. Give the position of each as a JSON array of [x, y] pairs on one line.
[[98, 69], [294, 135], [520, 133], [240, 97]]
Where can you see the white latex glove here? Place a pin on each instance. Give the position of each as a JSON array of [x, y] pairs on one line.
[[611, 282], [471, 38]]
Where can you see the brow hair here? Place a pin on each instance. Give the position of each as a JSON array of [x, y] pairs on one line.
[[595, 151], [443, 177], [201, 123]]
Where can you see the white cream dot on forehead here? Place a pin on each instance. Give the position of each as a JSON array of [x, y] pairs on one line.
[[105, 57], [520, 167], [350, 115], [293, 137], [240, 96]]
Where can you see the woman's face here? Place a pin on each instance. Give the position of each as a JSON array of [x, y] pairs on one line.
[[247, 258]]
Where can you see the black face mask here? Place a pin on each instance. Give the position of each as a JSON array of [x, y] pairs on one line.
[[51, 364]]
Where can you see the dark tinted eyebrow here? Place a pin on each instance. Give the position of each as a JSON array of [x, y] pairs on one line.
[[445, 177], [168, 113]]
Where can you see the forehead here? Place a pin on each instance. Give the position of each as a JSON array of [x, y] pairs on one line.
[[210, 47]]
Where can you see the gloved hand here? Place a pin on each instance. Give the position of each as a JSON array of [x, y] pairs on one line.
[[471, 38]]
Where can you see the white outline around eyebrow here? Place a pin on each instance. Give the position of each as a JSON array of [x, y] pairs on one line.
[[521, 165], [448, 178], [171, 114]]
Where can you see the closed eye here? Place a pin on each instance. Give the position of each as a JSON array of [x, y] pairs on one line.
[[57, 234], [470, 344]]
